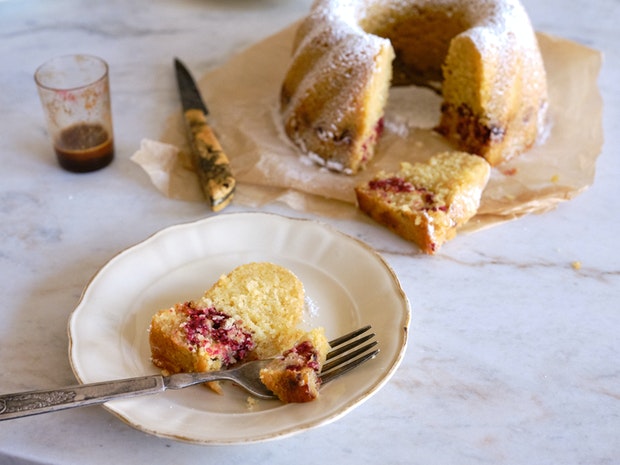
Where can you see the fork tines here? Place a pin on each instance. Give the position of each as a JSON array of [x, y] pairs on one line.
[[347, 352]]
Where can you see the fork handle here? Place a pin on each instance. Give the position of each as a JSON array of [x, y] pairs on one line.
[[23, 404]]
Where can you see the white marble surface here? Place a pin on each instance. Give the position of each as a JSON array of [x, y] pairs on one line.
[[514, 355]]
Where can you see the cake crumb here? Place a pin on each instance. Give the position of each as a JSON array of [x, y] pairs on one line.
[[576, 265], [251, 403], [555, 178]]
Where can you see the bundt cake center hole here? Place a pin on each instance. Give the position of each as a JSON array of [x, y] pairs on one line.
[[430, 27]]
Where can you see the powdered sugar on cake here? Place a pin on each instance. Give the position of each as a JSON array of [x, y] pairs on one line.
[[493, 87]]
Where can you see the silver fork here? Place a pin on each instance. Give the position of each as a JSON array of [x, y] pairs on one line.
[[348, 352]]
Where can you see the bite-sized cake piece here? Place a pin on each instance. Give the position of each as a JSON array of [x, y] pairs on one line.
[[294, 376], [253, 312], [482, 55], [426, 202]]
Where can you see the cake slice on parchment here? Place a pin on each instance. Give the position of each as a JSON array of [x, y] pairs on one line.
[[427, 202]]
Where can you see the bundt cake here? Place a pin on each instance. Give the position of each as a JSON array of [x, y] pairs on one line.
[[482, 55], [294, 376], [252, 312], [426, 202]]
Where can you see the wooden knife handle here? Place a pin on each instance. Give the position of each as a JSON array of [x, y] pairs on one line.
[[210, 161]]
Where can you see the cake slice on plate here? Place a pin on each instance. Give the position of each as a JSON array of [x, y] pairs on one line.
[[252, 312]]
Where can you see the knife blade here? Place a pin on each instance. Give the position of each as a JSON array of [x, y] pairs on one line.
[[210, 161]]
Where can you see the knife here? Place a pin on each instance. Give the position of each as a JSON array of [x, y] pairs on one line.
[[210, 161]]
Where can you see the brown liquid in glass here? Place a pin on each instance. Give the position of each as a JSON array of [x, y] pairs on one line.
[[84, 147]]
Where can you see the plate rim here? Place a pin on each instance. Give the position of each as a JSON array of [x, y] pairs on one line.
[[289, 430]]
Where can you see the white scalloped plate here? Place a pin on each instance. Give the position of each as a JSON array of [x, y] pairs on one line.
[[347, 285]]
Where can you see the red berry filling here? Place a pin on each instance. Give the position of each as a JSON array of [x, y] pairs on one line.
[[370, 143], [302, 355], [217, 333], [393, 184], [397, 185]]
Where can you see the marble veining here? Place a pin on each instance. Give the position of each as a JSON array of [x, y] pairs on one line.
[[514, 354]]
